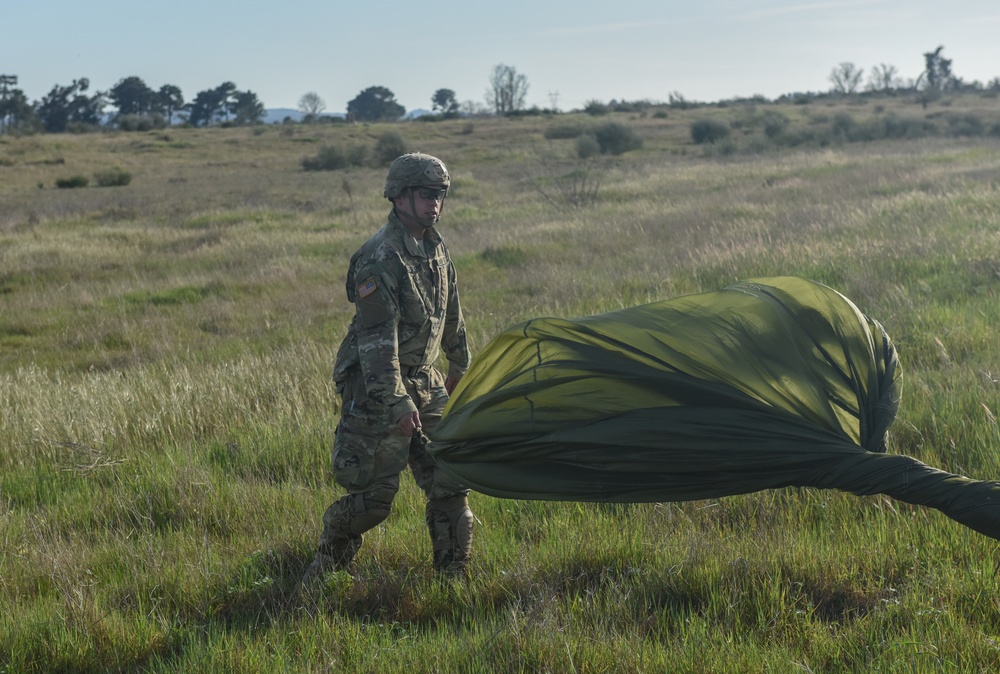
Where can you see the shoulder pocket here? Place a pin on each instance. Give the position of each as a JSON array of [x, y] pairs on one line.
[[372, 305]]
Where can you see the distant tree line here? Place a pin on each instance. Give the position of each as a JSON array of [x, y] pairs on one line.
[[136, 106], [74, 107], [936, 79]]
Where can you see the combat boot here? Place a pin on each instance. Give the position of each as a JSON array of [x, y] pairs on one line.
[[449, 522], [333, 556]]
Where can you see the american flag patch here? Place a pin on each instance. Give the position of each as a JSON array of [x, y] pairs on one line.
[[366, 288]]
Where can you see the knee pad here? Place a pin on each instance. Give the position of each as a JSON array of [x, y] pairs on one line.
[[354, 514], [372, 507]]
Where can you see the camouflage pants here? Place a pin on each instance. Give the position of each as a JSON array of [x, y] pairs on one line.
[[369, 454]]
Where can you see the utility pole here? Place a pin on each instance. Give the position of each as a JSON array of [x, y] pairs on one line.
[[554, 100]]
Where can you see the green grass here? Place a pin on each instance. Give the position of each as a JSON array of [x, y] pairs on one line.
[[166, 409]]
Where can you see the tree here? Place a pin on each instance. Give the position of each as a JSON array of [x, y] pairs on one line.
[[70, 104], [16, 113], [445, 101], [846, 78], [246, 108], [311, 105], [132, 97], [169, 100], [203, 109], [375, 104], [211, 105], [882, 78], [937, 72], [507, 91]]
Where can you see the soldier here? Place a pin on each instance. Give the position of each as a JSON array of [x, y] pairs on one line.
[[403, 286]]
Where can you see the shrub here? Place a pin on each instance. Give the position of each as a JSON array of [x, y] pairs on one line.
[[596, 108], [357, 155], [563, 131], [389, 146], [576, 188], [708, 131], [774, 124], [71, 182], [631, 106], [843, 126], [141, 122], [969, 124], [587, 146], [615, 138], [112, 177], [894, 126], [328, 158]]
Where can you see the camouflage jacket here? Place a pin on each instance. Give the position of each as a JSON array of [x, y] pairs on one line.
[[406, 311]]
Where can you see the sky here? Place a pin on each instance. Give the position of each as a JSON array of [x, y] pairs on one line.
[[571, 52]]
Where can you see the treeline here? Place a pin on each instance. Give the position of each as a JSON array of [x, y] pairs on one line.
[[138, 107], [75, 108]]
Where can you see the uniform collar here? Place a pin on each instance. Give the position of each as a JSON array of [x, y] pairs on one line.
[[414, 247]]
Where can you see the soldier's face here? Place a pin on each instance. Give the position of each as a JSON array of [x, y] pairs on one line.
[[425, 205]]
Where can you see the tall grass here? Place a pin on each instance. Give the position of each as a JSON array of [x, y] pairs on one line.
[[166, 409]]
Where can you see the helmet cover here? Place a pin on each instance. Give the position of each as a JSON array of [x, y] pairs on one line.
[[415, 170]]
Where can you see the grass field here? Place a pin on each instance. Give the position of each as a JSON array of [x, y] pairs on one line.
[[166, 409]]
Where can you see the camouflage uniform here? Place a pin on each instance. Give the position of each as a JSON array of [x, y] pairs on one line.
[[406, 312]]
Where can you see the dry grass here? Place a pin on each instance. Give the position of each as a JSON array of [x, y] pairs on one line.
[[165, 351]]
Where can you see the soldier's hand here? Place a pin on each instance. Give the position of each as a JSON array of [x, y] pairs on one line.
[[409, 423], [450, 383]]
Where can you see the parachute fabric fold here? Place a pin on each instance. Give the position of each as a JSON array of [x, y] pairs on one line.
[[765, 384]]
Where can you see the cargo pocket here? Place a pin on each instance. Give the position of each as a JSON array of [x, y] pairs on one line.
[[353, 459]]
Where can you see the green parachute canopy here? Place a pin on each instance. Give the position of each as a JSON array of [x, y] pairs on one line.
[[768, 383]]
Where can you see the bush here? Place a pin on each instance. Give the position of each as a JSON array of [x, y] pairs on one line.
[[141, 122], [389, 146], [596, 108], [893, 126], [615, 138], [563, 131], [774, 124], [328, 158], [357, 155], [969, 124], [587, 146], [71, 182], [112, 177], [843, 126], [708, 131]]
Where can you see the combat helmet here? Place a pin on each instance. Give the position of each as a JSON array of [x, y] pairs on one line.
[[415, 169]]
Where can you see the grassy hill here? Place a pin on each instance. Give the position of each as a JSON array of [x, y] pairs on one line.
[[166, 412]]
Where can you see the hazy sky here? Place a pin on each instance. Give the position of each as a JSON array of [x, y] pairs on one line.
[[571, 51]]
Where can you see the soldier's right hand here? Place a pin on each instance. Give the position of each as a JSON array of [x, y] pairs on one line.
[[409, 423]]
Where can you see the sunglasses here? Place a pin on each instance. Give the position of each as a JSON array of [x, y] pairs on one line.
[[431, 193]]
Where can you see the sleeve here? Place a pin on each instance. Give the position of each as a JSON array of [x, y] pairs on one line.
[[377, 308], [454, 342]]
